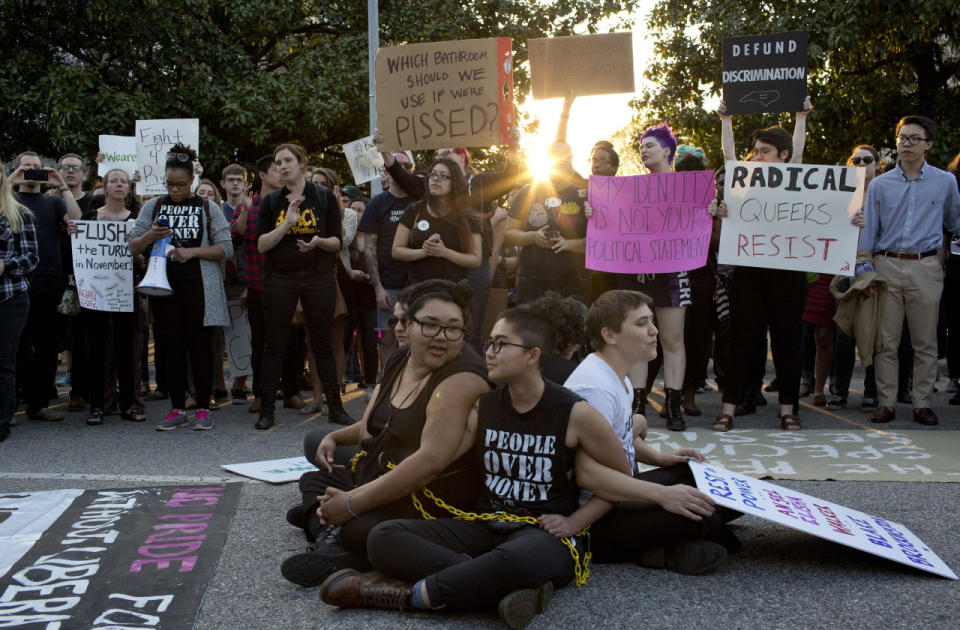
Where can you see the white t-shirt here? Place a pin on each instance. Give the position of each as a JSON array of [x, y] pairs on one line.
[[596, 382]]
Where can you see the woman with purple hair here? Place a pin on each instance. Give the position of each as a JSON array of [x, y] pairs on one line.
[[671, 296]]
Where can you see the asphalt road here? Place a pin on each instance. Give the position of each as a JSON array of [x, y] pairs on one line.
[[780, 579]]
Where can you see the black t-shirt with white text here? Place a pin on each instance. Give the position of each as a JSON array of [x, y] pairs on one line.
[[381, 217], [188, 221], [319, 216]]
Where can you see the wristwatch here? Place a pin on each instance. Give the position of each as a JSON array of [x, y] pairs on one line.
[[63, 189]]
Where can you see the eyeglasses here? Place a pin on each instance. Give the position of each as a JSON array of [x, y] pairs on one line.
[[430, 329], [910, 140], [498, 344], [234, 180], [393, 321], [180, 157], [177, 184], [71, 168], [442, 177], [857, 161]]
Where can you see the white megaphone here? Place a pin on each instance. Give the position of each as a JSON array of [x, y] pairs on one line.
[[155, 282]]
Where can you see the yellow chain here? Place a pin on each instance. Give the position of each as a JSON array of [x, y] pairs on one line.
[[356, 460]]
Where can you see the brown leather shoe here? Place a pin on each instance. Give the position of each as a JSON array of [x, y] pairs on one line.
[[254, 406], [925, 415], [723, 423], [293, 402], [789, 422], [77, 403], [883, 415], [351, 589]]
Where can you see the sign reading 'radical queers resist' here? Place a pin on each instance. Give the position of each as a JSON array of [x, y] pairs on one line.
[[791, 216], [765, 73], [445, 94], [649, 223]]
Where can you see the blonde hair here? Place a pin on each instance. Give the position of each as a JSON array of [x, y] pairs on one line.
[[11, 209]]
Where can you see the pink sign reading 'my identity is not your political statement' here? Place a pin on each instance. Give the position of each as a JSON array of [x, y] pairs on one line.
[[649, 223]]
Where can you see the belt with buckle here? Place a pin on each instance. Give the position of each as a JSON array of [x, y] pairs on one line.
[[907, 256]]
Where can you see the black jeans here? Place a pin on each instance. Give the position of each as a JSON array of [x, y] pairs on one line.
[[631, 527], [844, 358], [292, 360], [13, 314], [80, 363], [179, 322], [40, 342], [766, 296], [318, 295], [698, 328], [97, 324], [468, 564], [951, 313]]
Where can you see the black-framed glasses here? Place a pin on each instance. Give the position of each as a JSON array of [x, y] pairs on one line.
[[393, 321], [180, 157], [432, 329], [438, 176], [865, 160], [910, 140], [234, 179], [71, 168], [498, 344]]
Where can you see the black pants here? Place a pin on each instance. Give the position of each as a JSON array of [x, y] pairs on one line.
[[698, 328], [40, 342], [179, 322], [844, 358], [631, 527], [13, 313], [951, 313], [80, 364], [775, 297], [98, 327], [318, 295], [467, 564], [364, 323], [292, 359]]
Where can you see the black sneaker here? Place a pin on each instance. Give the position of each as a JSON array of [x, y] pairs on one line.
[[311, 568], [339, 415], [519, 608]]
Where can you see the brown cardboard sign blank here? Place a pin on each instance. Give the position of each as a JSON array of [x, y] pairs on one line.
[[586, 64]]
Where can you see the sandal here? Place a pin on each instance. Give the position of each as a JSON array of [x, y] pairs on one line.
[[311, 408], [95, 418], [789, 422], [723, 423], [133, 415]]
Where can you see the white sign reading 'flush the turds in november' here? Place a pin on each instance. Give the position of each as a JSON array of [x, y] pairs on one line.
[[791, 216]]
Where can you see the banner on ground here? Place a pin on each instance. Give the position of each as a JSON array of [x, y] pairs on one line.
[[238, 344], [117, 152], [586, 64], [138, 557], [365, 160], [103, 265], [791, 216], [818, 517], [273, 470], [154, 139], [649, 223], [445, 94], [765, 73]]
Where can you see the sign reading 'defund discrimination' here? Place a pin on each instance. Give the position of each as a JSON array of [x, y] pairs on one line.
[[765, 73], [649, 223], [445, 94], [818, 517], [791, 216], [586, 64]]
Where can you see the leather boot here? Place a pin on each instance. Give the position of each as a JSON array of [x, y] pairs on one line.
[[640, 401], [339, 415], [672, 410], [351, 589]]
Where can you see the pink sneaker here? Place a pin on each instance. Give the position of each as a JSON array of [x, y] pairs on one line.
[[204, 420], [174, 420]]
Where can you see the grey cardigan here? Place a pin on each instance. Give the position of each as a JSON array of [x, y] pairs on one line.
[[214, 296]]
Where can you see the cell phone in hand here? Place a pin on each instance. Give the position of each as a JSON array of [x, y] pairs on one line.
[[35, 175], [552, 235]]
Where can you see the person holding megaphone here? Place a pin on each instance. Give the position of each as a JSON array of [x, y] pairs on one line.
[[186, 318]]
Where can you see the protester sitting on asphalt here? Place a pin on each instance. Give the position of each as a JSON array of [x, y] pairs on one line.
[[414, 432]]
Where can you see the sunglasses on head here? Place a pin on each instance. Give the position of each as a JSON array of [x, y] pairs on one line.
[[180, 157], [857, 161]]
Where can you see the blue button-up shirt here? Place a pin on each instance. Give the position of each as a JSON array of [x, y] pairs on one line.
[[909, 215]]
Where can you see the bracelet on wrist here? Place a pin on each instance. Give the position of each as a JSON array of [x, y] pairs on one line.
[[349, 509]]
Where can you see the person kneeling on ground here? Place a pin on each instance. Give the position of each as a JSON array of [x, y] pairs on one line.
[[532, 435]]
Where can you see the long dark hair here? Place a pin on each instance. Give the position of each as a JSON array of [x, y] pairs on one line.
[[458, 203]]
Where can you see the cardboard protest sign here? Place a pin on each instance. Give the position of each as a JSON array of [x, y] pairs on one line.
[[117, 152], [139, 557], [445, 94], [273, 470], [765, 73], [237, 337], [103, 265], [791, 216], [805, 513], [154, 138], [587, 64], [365, 160], [649, 223]]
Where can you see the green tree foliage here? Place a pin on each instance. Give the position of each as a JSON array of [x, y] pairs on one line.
[[870, 63], [256, 72]]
